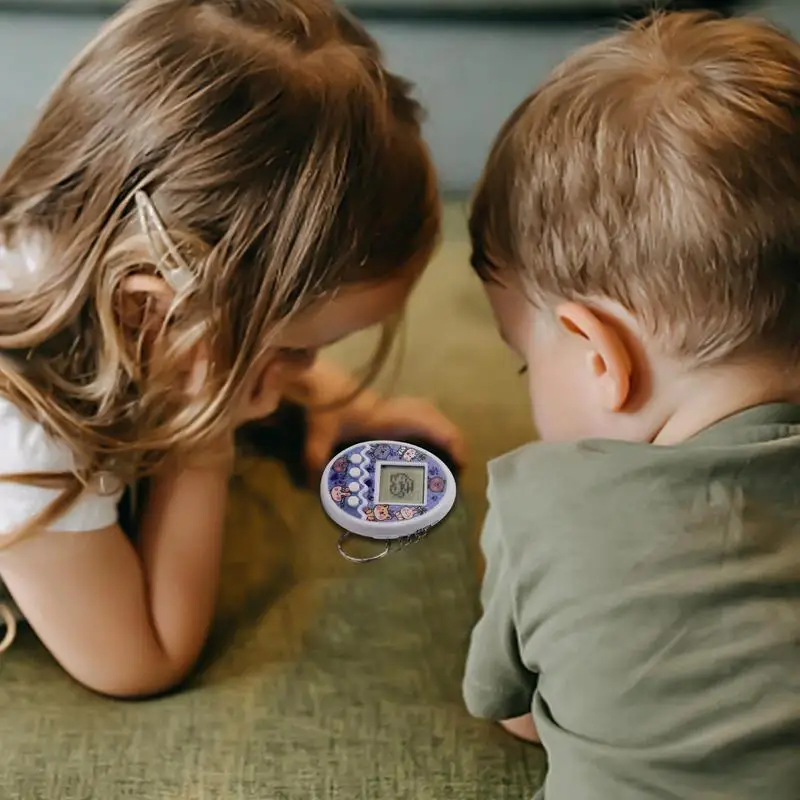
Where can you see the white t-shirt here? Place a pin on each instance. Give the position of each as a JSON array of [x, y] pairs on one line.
[[25, 446]]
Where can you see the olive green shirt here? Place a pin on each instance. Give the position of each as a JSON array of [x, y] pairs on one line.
[[644, 603]]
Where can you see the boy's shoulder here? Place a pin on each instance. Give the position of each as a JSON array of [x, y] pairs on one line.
[[555, 467], [560, 508], [542, 481], [746, 445], [578, 500]]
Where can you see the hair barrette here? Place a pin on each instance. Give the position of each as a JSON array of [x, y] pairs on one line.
[[173, 267]]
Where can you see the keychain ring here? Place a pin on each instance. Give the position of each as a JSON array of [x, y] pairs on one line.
[[386, 491], [354, 559]]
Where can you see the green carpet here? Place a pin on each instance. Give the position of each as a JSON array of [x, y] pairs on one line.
[[323, 680]]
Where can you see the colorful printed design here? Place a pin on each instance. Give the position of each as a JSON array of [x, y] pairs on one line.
[[339, 494], [382, 452], [371, 455], [410, 454], [379, 513], [436, 484]]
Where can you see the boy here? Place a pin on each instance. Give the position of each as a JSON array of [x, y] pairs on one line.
[[638, 231]]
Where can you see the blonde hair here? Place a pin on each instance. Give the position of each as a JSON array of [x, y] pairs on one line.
[[659, 168], [285, 161]]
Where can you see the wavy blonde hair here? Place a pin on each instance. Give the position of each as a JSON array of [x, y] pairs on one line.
[[659, 168], [285, 161]]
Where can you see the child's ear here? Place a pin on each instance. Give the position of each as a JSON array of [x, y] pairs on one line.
[[150, 287], [144, 304], [145, 301], [608, 358]]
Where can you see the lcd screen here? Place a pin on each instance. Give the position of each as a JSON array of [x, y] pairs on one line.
[[401, 485]]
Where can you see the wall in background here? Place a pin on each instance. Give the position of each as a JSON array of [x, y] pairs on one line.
[[442, 4], [469, 76]]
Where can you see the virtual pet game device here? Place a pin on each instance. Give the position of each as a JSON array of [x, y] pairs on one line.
[[386, 491]]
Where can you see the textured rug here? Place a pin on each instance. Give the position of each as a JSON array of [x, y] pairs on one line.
[[323, 680]]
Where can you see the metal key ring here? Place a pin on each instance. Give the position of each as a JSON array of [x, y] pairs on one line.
[[353, 559]]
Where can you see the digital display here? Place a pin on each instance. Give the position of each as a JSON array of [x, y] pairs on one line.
[[401, 485]]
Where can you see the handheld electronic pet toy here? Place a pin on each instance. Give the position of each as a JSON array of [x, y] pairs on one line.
[[386, 491]]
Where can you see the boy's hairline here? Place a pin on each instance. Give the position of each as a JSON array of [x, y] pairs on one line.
[[490, 228]]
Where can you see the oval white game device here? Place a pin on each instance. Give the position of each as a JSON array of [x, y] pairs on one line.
[[387, 491]]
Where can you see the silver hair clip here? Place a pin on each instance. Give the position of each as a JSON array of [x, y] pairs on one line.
[[171, 264]]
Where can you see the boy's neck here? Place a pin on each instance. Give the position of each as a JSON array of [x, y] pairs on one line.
[[707, 395]]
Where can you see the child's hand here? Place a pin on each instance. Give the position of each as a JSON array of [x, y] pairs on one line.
[[368, 415], [523, 728]]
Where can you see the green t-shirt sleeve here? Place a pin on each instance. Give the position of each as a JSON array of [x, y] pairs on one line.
[[497, 685]]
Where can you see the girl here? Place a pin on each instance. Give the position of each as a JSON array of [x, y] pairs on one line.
[[216, 190]]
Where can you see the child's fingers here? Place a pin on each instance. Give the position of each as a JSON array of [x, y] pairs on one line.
[[401, 418], [449, 435], [418, 418]]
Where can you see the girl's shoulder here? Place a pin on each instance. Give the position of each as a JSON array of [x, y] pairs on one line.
[[26, 446]]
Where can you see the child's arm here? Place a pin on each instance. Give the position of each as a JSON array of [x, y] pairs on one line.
[[497, 684], [125, 620], [122, 621]]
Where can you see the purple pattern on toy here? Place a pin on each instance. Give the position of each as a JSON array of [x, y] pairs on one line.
[[373, 453]]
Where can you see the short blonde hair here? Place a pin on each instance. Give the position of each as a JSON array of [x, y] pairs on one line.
[[286, 162], [659, 168]]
